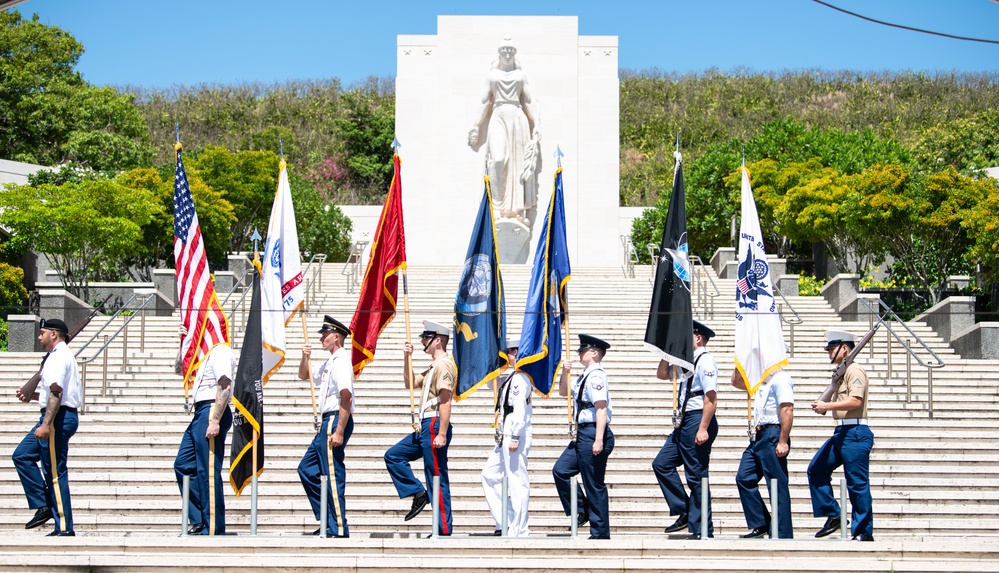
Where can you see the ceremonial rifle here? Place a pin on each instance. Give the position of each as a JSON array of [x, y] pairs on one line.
[[28, 390], [840, 372]]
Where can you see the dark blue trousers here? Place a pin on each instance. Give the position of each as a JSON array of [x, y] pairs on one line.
[[850, 447], [760, 461], [192, 460], [680, 448], [578, 458], [38, 485], [412, 448], [316, 463]]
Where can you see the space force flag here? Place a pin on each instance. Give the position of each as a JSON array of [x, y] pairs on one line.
[[281, 287], [540, 352], [248, 401], [479, 307], [759, 340], [669, 331]]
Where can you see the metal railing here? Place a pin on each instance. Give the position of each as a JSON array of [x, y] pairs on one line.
[[630, 256], [790, 321], [108, 339], [241, 305], [353, 267], [313, 284], [653, 250], [893, 318], [700, 292], [239, 283]]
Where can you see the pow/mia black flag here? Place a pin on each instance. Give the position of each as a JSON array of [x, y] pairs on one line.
[[248, 397], [669, 332]]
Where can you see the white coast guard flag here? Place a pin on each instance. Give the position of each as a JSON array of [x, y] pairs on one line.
[[282, 291], [759, 341]]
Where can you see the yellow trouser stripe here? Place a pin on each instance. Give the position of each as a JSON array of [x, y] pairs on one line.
[[333, 485], [55, 476]]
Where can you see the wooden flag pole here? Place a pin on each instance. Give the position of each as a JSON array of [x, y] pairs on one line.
[[312, 386], [408, 358]]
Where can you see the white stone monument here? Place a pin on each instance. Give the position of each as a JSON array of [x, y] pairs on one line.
[[504, 91]]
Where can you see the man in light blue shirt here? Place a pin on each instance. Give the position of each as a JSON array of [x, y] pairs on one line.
[[766, 455]]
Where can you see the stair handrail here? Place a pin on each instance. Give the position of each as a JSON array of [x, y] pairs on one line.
[[317, 276], [237, 284], [105, 325], [630, 256], [352, 266], [797, 317], [107, 342], [910, 353], [653, 250], [699, 291]]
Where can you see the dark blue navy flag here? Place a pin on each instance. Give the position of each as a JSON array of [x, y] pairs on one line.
[[541, 336], [479, 307], [669, 333]]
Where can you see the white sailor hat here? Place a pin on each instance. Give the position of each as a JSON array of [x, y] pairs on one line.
[[837, 336], [431, 328], [513, 342]]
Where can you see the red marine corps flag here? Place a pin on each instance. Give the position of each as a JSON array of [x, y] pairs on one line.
[[200, 311], [380, 289]]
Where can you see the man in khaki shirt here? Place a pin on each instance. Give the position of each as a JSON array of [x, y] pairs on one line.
[[850, 446], [432, 441]]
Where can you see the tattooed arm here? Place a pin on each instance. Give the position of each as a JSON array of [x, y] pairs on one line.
[[51, 409], [222, 396]]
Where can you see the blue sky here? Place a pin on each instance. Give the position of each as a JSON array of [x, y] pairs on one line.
[[182, 42]]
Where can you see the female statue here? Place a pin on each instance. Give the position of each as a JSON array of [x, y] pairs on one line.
[[508, 126]]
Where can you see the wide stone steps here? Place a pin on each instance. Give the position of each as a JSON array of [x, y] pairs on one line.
[[928, 476]]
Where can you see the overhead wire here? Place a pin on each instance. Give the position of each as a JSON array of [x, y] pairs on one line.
[[902, 27]]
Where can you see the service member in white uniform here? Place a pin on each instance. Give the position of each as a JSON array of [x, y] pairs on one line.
[[59, 394], [334, 380], [509, 456], [203, 444], [690, 442], [766, 455]]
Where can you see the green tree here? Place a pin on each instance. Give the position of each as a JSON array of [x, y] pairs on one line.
[[215, 216], [982, 224], [367, 131], [84, 229], [919, 219], [966, 144], [48, 115], [246, 179], [13, 295], [322, 226]]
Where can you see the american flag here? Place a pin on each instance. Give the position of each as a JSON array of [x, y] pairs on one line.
[[200, 311]]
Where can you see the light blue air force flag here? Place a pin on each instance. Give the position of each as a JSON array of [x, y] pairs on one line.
[[479, 307], [540, 353]]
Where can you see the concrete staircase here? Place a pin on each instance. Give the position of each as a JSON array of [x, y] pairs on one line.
[[929, 476]]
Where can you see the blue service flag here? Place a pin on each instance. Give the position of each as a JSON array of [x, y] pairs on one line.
[[479, 307], [540, 352]]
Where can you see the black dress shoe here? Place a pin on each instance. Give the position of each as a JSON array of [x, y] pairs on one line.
[[757, 532], [62, 534], [42, 514], [196, 529], [679, 525], [429, 535], [597, 537], [498, 532], [582, 519], [863, 537], [316, 532], [831, 526], [420, 501]]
